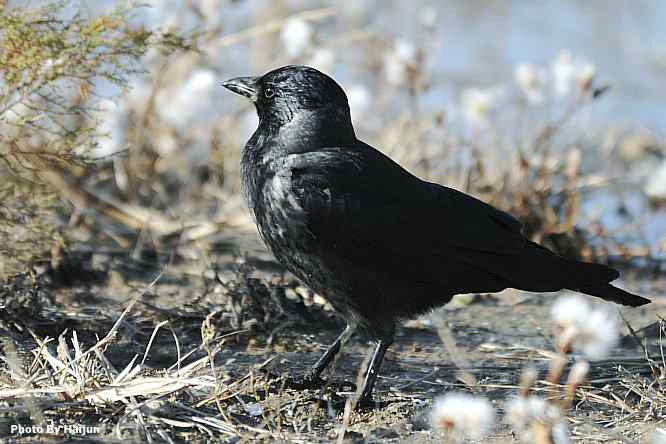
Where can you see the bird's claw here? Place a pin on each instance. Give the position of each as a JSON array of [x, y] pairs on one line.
[[310, 382], [366, 403], [339, 403], [307, 382]]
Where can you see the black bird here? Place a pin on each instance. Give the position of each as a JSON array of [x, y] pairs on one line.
[[378, 242]]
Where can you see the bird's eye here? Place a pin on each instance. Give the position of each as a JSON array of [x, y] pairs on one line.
[[269, 92]]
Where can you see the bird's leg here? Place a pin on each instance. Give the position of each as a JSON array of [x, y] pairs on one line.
[[325, 360], [312, 378], [372, 370]]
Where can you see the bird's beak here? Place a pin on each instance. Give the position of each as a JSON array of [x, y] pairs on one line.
[[245, 86]]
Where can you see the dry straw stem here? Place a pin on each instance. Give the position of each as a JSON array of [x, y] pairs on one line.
[[543, 433], [135, 217], [528, 378], [268, 28], [87, 377], [454, 353], [556, 369], [346, 417], [14, 363], [64, 364]]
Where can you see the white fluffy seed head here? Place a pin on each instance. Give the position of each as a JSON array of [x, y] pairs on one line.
[[183, 106], [296, 37], [530, 80], [601, 335], [570, 309], [405, 51], [322, 59], [567, 72], [462, 416], [398, 61], [563, 72], [585, 76], [529, 415], [560, 433], [656, 184], [477, 103], [523, 410], [590, 330]]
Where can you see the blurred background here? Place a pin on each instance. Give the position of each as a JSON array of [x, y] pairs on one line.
[[551, 110]]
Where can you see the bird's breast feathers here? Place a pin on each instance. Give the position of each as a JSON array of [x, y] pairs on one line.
[[278, 209], [280, 193]]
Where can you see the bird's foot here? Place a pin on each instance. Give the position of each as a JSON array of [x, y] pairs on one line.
[[311, 381], [339, 403], [366, 404], [305, 382]]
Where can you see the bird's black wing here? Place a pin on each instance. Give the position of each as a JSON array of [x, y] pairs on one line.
[[380, 217], [425, 239]]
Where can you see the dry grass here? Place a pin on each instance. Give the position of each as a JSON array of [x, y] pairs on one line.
[[183, 399], [195, 397], [109, 381]]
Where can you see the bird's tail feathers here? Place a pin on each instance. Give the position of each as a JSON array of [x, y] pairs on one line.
[[594, 280]]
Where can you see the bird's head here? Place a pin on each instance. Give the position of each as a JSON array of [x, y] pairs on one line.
[[295, 92]]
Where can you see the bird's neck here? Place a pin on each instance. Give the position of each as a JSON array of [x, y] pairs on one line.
[[304, 131]]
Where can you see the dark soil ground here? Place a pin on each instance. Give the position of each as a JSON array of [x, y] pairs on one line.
[[272, 326]]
